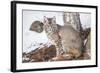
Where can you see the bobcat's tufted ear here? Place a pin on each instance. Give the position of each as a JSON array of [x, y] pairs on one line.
[[45, 19], [54, 19]]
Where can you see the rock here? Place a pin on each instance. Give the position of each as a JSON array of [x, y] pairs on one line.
[[43, 54]]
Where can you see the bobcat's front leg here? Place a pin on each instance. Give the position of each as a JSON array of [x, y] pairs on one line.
[[56, 40], [59, 50]]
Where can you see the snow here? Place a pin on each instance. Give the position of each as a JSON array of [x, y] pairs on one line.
[[33, 40]]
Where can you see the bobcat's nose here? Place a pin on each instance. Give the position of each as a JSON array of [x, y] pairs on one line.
[[49, 22]]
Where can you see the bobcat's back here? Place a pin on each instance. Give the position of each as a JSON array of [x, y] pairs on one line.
[[71, 40]]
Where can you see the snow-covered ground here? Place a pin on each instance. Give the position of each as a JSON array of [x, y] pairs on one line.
[[33, 40]]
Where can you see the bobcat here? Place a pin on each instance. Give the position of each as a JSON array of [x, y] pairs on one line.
[[52, 32], [66, 39]]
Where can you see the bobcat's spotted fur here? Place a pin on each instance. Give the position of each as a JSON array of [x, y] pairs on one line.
[[51, 30]]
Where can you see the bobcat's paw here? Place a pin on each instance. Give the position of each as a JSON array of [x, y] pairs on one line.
[[58, 58]]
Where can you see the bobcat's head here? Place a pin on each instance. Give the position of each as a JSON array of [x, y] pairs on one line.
[[50, 24]]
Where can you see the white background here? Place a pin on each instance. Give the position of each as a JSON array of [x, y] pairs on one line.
[[5, 36]]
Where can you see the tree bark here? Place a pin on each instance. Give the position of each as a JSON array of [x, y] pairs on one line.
[[73, 19]]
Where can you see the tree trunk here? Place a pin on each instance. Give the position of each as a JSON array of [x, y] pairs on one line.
[[73, 19]]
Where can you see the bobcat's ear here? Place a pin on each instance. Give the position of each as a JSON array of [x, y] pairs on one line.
[[54, 17], [45, 19]]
